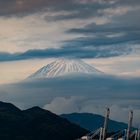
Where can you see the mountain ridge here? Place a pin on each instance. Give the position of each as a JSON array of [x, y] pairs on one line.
[[92, 122], [35, 124]]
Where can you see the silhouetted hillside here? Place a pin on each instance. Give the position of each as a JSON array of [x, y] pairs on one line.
[[93, 121], [35, 124]]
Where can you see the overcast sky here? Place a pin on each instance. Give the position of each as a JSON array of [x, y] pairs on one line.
[[105, 33]]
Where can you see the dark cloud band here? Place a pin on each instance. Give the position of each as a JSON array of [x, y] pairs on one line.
[[72, 52]]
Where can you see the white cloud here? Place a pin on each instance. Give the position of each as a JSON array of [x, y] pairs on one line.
[[34, 32], [96, 1], [112, 35], [65, 105], [118, 10], [101, 20]]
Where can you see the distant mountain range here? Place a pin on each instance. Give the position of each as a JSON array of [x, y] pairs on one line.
[[35, 124], [93, 121]]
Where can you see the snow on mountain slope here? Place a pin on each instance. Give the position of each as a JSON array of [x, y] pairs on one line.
[[63, 67]]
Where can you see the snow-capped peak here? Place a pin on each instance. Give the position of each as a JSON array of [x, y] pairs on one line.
[[63, 67]]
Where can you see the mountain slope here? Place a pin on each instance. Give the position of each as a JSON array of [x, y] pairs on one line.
[[35, 124], [62, 67], [92, 121]]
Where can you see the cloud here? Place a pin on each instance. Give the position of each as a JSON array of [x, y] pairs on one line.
[[61, 105], [103, 41], [121, 30], [77, 49], [72, 104], [15, 7], [23, 7], [54, 23], [77, 94], [77, 9], [33, 32], [129, 31]]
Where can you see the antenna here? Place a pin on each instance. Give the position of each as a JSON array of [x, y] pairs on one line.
[[106, 123], [129, 125], [138, 134]]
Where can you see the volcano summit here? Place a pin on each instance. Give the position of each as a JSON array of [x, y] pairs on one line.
[[63, 67]]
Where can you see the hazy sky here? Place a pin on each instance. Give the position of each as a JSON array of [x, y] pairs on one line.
[[105, 33]]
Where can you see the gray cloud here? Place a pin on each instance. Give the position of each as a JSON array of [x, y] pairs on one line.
[[83, 48], [101, 40], [80, 93], [106, 28], [23, 7], [120, 29], [15, 7], [86, 8]]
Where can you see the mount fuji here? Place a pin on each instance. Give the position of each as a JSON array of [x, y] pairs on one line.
[[63, 67]]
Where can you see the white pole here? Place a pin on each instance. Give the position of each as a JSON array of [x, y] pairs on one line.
[[129, 124], [138, 136], [106, 123], [101, 132]]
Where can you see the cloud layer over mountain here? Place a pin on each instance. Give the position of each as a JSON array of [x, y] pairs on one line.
[[78, 94]]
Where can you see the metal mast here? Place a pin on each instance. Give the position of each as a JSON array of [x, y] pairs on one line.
[[106, 123], [138, 134], [129, 125]]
